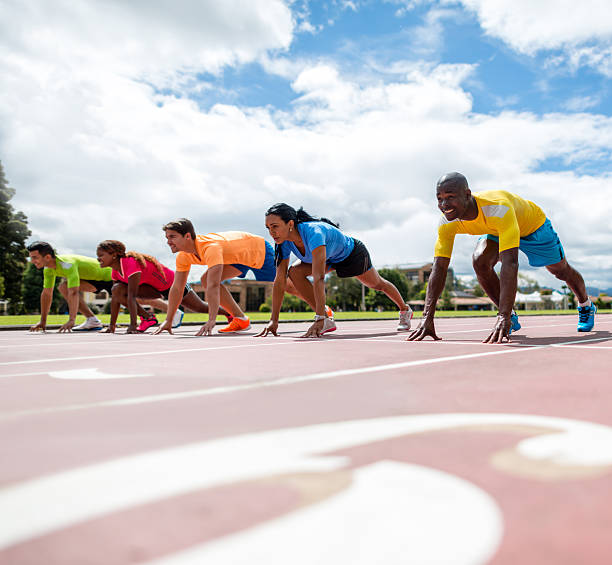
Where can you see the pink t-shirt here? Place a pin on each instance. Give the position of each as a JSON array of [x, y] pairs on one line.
[[149, 275]]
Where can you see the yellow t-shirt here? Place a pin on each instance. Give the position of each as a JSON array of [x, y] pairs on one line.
[[500, 213], [224, 248]]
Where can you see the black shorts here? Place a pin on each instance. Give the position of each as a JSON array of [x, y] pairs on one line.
[[166, 293], [357, 263], [101, 285]]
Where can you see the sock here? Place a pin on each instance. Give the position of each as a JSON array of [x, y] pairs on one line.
[[244, 318], [583, 304]]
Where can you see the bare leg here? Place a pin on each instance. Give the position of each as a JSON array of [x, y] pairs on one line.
[[83, 308], [484, 259], [120, 294], [303, 288], [565, 272], [225, 298], [157, 303], [372, 279], [194, 303]]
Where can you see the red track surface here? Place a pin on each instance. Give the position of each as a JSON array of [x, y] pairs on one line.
[[354, 448]]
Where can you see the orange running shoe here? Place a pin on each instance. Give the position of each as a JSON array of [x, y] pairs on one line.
[[236, 325], [329, 312]]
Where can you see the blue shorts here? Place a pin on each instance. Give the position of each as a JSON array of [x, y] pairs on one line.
[[542, 247], [268, 270]]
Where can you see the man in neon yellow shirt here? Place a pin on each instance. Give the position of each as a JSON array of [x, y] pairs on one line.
[[507, 223], [81, 274]]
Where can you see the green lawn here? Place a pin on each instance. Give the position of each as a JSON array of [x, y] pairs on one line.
[[29, 320]]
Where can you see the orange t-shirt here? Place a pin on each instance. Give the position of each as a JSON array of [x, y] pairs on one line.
[[224, 248]]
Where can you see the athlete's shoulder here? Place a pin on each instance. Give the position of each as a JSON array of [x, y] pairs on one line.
[[494, 203], [447, 225]]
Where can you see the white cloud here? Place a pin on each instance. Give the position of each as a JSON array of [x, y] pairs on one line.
[[96, 154], [581, 30], [581, 103], [529, 26]]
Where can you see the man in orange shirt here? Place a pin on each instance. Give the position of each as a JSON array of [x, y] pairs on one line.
[[227, 255]]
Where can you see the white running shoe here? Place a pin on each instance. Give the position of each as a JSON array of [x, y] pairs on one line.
[[405, 318], [328, 326], [177, 319], [89, 325]]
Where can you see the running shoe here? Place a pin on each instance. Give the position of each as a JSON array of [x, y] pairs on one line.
[[328, 326], [586, 317], [177, 319], [147, 323], [329, 312], [515, 325], [236, 325], [405, 318], [89, 325]]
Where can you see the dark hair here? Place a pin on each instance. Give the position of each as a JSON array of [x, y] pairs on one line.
[[182, 226], [118, 248], [42, 247], [300, 216], [454, 179]]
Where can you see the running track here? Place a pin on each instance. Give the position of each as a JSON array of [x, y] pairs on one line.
[[357, 448]]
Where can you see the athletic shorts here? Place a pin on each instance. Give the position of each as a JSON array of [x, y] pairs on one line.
[[357, 263], [101, 285], [542, 247], [267, 272], [166, 293]]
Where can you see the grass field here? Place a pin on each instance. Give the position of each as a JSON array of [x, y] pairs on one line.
[[30, 320]]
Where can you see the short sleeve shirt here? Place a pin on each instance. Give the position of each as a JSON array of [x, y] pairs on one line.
[[149, 274], [75, 268], [500, 213], [224, 248], [315, 234]]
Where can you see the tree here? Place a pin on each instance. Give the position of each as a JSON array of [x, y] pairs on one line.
[[377, 300], [32, 287], [343, 293], [13, 234]]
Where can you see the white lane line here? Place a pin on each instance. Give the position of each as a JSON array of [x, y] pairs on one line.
[[24, 374], [258, 385], [143, 353]]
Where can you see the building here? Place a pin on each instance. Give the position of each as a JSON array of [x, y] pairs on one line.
[[419, 273]]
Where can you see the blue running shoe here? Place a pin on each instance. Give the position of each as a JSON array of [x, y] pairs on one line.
[[586, 317], [516, 326]]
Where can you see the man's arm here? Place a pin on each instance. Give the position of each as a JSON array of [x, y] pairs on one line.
[[508, 277], [175, 297], [46, 297], [213, 298], [435, 286], [73, 308], [319, 257], [278, 294]]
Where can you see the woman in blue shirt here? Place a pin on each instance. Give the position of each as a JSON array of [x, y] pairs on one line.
[[320, 247]]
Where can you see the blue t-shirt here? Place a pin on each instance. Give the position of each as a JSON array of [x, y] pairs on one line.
[[314, 234]]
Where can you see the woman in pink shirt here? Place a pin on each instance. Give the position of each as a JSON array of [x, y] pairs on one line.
[[140, 276]]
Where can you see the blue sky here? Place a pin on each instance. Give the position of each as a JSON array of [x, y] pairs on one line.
[[125, 116]]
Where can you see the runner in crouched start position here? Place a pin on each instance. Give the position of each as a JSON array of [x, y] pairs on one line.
[[140, 277], [82, 274], [507, 223], [320, 247], [227, 255]]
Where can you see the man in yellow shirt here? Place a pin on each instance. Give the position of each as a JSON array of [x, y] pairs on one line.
[[227, 255], [507, 223]]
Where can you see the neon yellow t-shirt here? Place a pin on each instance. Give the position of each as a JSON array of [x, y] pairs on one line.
[[75, 268], [500, 213]]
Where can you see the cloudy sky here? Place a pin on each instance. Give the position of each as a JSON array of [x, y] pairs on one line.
[[116, 117]]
